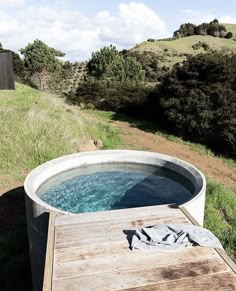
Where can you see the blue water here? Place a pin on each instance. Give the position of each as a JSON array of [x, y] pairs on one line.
[[115, 188]]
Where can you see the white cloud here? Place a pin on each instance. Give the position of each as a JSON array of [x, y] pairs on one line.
[[195, 16], [12, 3], [77, 35], [227, 19]]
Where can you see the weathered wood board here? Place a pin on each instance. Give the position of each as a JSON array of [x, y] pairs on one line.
[[91, 252]]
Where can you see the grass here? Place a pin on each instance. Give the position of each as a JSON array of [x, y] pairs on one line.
[[35, 127], [220, 215], [184, 45]]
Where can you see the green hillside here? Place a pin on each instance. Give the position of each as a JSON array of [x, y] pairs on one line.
[[173, 51]]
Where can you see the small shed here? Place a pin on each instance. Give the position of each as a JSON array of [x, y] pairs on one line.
[[6, 71]]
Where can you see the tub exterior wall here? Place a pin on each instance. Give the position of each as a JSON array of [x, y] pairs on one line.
[[196, 207], [37, 226]]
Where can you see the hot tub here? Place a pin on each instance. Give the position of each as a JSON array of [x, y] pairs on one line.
[[139, 179]]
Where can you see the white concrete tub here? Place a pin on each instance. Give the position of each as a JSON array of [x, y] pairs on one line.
[[37, 210]]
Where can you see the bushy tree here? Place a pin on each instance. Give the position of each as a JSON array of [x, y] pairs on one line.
[[198, 99], [108, 63], [214, 28], [202, 29], [101, 61], [186, 29], [18, 67], [150, 62], [229, 35], [38, 56], [44, 70]]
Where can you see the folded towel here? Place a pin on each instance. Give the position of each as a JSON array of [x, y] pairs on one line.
[[173, 237]]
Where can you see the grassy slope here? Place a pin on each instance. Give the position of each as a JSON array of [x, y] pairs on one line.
[[178, 47], [34, 127], [184, 45]]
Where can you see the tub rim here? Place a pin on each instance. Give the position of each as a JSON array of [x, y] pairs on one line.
[[32, 176]]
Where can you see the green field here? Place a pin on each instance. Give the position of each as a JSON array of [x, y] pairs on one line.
[[174, 51]]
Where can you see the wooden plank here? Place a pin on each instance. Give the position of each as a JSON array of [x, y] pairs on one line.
[[99, 236], [79, 234], [122, 223], [132, 260], [128, 213], [48, 270], [218, 282], [91, 251], [221, 253], [142, 277]]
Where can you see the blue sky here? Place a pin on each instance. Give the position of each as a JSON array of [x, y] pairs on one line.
[[80, 27]]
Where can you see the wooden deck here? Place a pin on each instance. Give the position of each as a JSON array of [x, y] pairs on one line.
[[91, 252]]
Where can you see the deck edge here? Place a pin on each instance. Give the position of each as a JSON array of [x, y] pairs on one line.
[[48, 269], [220, 252]]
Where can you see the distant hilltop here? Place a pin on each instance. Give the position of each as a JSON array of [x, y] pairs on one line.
[[189, 39], [213, 28]]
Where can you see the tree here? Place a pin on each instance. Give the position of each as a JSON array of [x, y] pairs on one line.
[[108, 63], [186, 29], [38, 56], [202, 29], [198, 99], [213, 28], [101, 61]]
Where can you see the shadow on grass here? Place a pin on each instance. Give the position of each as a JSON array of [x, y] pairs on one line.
[[141, 124], [15, 272]]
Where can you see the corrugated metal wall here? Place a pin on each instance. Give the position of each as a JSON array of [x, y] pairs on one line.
[[6, 71]]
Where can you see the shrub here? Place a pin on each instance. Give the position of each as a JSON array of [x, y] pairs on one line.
[[198, 100], [117, 96], [229, 35]]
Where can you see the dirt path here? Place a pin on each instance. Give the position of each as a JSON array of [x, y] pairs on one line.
[[211, 166]]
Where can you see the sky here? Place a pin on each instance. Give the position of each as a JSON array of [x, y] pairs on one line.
[[80, 27]]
